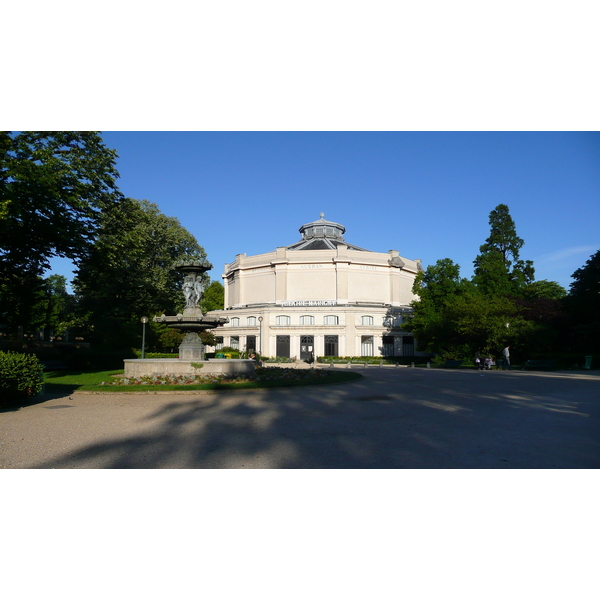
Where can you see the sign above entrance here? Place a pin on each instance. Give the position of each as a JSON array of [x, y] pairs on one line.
[[307, 302]]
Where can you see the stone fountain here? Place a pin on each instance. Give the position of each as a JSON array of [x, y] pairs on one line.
[[191, 350], [192, 320]]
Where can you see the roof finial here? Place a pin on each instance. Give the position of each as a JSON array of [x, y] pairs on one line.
[[322, 215]]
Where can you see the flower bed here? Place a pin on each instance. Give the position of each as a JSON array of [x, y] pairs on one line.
[[260, 374]]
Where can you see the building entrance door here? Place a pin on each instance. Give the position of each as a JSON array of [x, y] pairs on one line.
[[307, 347], [331, 345], [283, 346]]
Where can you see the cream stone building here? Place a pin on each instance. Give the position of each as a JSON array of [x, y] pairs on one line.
[[318, 297]]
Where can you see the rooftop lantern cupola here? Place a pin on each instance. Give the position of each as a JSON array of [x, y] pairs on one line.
[[323, 229], [322, 235]]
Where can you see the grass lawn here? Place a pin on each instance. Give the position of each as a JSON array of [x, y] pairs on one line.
[[90, 381]]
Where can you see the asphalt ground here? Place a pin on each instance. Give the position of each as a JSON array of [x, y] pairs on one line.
[[393, 418]]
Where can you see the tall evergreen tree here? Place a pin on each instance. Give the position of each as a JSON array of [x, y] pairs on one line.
[[498, 268]]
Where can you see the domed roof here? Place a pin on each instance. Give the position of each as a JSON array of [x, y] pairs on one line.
[[322, 235]]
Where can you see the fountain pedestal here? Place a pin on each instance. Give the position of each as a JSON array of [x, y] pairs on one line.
[[191, 348]]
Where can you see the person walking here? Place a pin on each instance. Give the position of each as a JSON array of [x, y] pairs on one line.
[[506, 354]]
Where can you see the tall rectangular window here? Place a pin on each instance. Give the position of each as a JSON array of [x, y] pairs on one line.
[[331, 345], [408, 345], [251, 343], [388, 345], [366, 345], [235, 342]]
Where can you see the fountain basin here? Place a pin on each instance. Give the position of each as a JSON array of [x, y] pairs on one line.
[[139, 367]]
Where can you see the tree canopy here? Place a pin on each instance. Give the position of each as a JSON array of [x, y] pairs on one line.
[[128, 273], [454, 318], [214, 297], [583, 303], [501, 304], [53, 189]]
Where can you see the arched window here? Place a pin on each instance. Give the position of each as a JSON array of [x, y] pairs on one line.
[[234, 322], [330, 320], [282, 320], [251, 321], [307, 320], [366, 320], [395, 321]]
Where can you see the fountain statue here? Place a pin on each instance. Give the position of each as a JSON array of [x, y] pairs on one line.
[[190, 322]]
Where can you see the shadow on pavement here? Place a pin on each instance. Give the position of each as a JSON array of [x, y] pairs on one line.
[[408, 418]]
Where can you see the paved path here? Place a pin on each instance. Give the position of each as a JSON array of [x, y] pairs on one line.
[[393, 418]]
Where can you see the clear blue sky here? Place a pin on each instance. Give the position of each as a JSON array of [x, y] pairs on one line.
[[427, 195]]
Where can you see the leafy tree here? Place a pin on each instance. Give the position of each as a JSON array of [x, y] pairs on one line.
[[498, 269], [583, 305], [57, 305], [585, 289], [486, 323], [454, 318], [438, 282], [208, 337], [128, 272], [543, 288], [492, 276], [213, 298], [436, 287], [161, 338], [53, 187]]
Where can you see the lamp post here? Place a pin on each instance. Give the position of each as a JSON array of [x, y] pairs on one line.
[[260, 320], [143, 321]]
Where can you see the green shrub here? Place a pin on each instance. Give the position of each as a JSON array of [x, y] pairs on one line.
[[20, 376], [374, 360], [138, 354]]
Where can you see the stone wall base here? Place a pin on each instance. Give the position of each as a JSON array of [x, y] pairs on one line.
[[138, 367]]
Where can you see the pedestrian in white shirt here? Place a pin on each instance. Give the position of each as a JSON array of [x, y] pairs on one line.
[[506, 355]]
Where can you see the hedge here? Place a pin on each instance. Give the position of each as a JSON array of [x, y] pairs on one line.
[[20, 376], [374, 360], [138, 354]]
